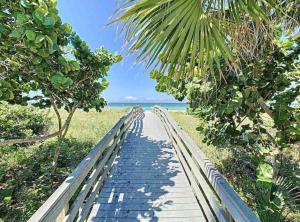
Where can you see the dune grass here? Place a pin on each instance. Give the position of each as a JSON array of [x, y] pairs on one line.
[[236, 165], [241, 178], [91, 126], [25, 182]]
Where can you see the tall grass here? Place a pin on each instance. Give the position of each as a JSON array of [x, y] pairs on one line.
[[236, 165], [25, 182]]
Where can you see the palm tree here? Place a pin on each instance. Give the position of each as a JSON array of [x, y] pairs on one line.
[[199, 32]]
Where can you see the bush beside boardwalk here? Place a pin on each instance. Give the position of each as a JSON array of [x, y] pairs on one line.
[[238, 167], [25, 182]]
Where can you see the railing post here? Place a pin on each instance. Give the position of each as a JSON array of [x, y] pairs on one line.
[[85, 177], [228, 216], [63, 214], [203, 172]]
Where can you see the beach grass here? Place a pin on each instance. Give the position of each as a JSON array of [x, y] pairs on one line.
[[236, 165], [25, 182], [90, 126], [223, 158]]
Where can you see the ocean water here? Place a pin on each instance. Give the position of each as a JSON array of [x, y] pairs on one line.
[[149, 106]]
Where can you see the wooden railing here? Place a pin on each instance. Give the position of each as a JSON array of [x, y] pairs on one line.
[[75, 196], [219, 202]]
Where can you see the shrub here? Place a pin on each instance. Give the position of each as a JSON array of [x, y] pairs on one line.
[[18, 122]]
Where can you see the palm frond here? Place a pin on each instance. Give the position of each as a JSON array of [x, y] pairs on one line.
[[197, 31]]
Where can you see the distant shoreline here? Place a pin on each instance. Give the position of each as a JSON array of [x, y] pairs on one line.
[[148, 106]]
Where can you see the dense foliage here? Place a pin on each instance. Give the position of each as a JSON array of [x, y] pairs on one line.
[[255, 109], [199, 31], [44, 63], [25, 182], [236, 114], [22, 122]]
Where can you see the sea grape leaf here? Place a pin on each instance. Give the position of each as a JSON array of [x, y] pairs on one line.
[[264, 176], [40, 14], [30, 35], [21, 18], [39, 39], [60, 81], [49, 21], [17, 33], [67, 28]]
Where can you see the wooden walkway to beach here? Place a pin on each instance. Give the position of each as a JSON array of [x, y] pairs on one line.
[[145, 169], [147, 182]]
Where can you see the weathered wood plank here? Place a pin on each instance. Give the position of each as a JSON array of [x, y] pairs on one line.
[[144, 207], [85, 189], [190, 219], [147, 179], [201, 198], [51, 209], [149, 214], [197, 180], [89, 202], [232, 202], [154, 202]]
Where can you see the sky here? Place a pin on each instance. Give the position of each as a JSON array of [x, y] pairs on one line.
[[129, 81]]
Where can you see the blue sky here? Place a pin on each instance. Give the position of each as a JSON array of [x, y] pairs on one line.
[[129, 82]]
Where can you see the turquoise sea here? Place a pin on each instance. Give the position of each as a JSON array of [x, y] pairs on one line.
[[148, 106]]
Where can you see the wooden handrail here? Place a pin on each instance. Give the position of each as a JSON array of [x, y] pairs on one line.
[[81, 187], [218, 200]]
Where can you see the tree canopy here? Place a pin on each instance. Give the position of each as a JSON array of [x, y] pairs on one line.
[[44, 64]]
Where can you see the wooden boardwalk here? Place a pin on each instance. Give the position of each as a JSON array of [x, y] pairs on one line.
[[145, 169], [147, 181]]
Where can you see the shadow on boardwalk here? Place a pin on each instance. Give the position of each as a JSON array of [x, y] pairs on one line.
[[142, 183]]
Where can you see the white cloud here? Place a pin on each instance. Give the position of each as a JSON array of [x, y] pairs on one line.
[[131, 98]]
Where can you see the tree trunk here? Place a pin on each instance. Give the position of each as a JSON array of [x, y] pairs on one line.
[[30, 140], [56, 153], [61, 137]]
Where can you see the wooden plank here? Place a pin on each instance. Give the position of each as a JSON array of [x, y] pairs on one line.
[[198, 180], [204, 206], [150, 181], [144, 207], [136, 214], [89, 202], [236, 207], [50, 210], [148, 178], [151, 176], [190, 219], [87, 206], [52, 207], [85, 189], [149, 195], [157, 189], [141, 186], [150, 202]]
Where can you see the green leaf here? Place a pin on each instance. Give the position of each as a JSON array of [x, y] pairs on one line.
[[49, 21], [3, 30], [67, 27], [40, 14], [60, 81], [56, 80], [36, 60], [39, 38], [25, 3], [50, 44], [30, 35], [7, 200], [21, 18], [264, 176], [17, 33]]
